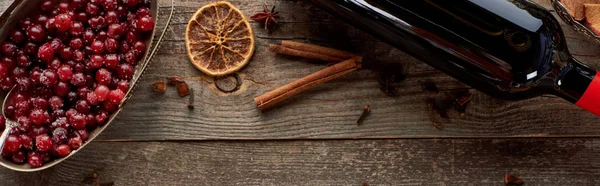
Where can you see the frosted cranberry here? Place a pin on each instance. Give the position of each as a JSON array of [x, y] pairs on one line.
[[9, 62], [54, 64], [115, 30], [82, 106], [76, 43], [38, 130], [103, 76], [63, 7], [89, 36], [19, 157], [79, 67], [109, 4], [131, 57], [131, 38], [9, 111], [9, 49], [139, 47], [35, 75], [41, 19], [96, 61], [57, 114], [65, 53], [65, 73], [78, 4], [83, 134], [21, 97], [43, 142], [75, 142], [6, 84], [36, 33], [145, 24], [125, 71], [111, 45], [143, 12], [3, 70], [109, 107], [78, 79], [116, 96], [102, 92], [111, 17], [24, 84], [63, 150], [48, 78], [12, 144], [98, 47], [50, 25], [70, 113], [39, 103], [45, 156], [124, 48], [101, 117], [96, 22], [56, 44], [6, 154], [25, 23], [61, 88], [23, 61], [102, 35], [26, 141], [78, 56], [24, 123], [90, 120], [87, 50], [36, 116], [76, 29], [34, 160], [59, 135], [77, 121], [17, 36], [2, 122], [82, 92], [55, 102], [121, 11], [46, 52], [30, 48], [42, 91], [47, 5]]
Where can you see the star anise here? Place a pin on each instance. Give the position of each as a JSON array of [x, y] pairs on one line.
[[268, 17]]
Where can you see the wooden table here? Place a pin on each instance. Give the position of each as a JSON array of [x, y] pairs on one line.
[[313, 139]]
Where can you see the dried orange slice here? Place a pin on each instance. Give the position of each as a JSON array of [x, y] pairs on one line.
[[219, 39]]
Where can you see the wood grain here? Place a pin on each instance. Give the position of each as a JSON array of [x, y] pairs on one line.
[[562, 162], [329, 110]]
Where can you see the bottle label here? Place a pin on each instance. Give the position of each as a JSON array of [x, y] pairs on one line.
[[590, 100]]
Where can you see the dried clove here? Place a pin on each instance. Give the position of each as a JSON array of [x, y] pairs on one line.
[[430, 86], [159, 86], [462, 100], [512, 180], [387, 81], [366, 111], [174, 80], [191, 100]]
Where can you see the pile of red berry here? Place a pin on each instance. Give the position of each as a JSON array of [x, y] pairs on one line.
[[71, 65]]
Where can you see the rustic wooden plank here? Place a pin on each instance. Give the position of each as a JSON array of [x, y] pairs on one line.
[[330, 162], [330, 110]]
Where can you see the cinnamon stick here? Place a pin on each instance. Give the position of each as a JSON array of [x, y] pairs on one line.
[[271, 98], [320, 50], [279, 49]]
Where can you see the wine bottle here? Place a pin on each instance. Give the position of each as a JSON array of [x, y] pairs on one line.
[[510, 49]]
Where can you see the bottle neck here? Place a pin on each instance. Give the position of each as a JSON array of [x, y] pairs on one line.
[[574, 80]]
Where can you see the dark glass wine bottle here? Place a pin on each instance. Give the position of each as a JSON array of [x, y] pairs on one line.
[[510, 49]]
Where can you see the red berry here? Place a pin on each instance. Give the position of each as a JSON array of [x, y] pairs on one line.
[[47, 6], [9, 49], [101, 117], [125, 71], [76, 29], [17, 36], [37, 116], [76, 43], [46, 52], [26, 141], [131, 57], [78, 79], [48, 78], [92, 98], [38, 130], [116, 96], [2, 122], [54, 64], [63, 150], [102, 92], [39, 103], [36, 33], [61, 88], [30, 48], [59, 135], [43, 142], [3, 71], [131, 38], [109, 107], [75, 142], [65, 53], [70, 113], [90, 120], [18, 157], [78, 56], [96, 61], [50, 25], [109, 4], [103, 76], [41, 19], [12, 144], [56, 44], [24, 123], [145, 24], [102, 35], [65, 73], [34, 160], [131, 3], [55, 102], [82, 106], [111, 17], [63, 22], [97, 47], [82, 92], [96, 22], [111, 45], [83, 134], [89, 36], [63, 7], [123, 85], [143, 11], [77, 121], [23, 61], [115, 30], [139, 47]]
